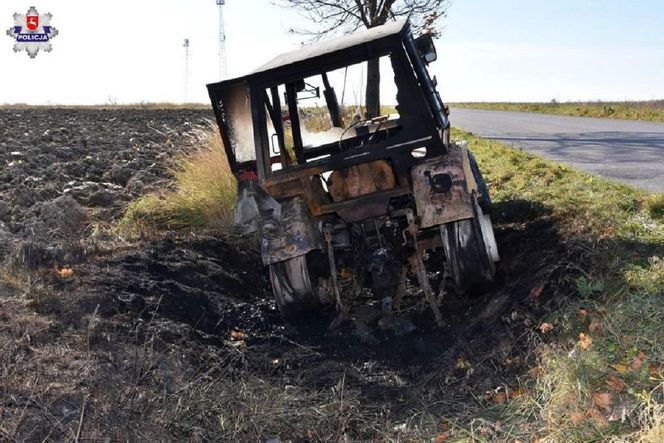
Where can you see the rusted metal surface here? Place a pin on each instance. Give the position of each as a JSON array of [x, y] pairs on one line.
[[292, 235], [327, 233], [361, 180], [417, 263], [285, 189], [374, 207], [319, 201], [448, 203]]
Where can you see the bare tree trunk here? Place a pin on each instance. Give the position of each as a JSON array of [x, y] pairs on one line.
[[373, 88]]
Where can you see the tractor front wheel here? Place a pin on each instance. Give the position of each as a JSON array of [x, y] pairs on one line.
[[292, 287]]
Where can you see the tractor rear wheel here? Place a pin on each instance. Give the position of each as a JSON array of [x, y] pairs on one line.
[[470, 251], [292, 287]]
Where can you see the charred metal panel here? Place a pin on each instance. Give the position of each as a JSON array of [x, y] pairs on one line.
[[360, 180], [467, 170], [254, 207], [232, 106], [285, 189], [293, 234], [375, 202], [372, 208], [441, 190]]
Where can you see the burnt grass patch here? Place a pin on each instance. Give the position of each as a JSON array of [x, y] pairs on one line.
[[153, 320]]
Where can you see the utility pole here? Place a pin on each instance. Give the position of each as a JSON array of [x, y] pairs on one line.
[[186, 70], [223, 71]]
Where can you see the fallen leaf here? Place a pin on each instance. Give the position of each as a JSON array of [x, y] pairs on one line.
[[535, 372], [440, 438], [637, 363], [65, 272], [577, 417], [516, 393], [585, 341], [619, 368], [536, 292], [615, 383], [595, 325], [656, 372], [500, 397], [346, 272], [583, 314], [496, 396], [238, 336], [603, 400], [599, 419], [546, 328]]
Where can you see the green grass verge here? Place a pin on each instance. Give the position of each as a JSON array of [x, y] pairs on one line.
[[617, 303], [648, 110], [203, 196]]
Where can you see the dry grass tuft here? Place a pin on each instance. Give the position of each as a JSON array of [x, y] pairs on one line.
[[651, 421], [203, 196], [252, 409]]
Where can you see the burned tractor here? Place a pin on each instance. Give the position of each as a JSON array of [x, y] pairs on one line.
[[333, 196]]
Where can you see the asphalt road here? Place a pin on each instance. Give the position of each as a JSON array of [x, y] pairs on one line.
[[631, 152]]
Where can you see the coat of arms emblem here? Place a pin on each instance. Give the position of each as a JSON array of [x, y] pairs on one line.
[[32, 32]]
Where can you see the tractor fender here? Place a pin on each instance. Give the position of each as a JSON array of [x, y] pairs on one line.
[[443, 188], [254, 205], [290, 235]]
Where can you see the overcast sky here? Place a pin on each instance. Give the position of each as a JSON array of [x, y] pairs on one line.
[[529, 50]]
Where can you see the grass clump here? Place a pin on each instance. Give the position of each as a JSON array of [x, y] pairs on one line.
[[655, 205], [644, 110], [203, 195]]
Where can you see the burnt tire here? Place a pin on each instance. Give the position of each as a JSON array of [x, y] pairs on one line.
[[292, 287], [484, 200], [470, 254]]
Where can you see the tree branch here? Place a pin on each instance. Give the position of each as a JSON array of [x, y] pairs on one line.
[[343, 16], [360, 7]]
